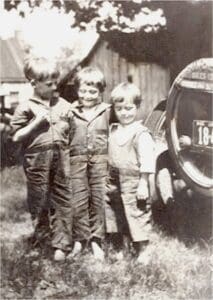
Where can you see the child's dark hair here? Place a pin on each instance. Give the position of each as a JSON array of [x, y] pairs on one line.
[[126, 90], [91, 76], [40, 69]]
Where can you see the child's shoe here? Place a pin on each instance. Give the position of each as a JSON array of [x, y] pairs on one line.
[[119, 255], [77, 249], [97, 251], [59, 255], [144, 257]]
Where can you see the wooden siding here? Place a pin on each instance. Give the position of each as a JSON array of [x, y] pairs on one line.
[[152, 79]]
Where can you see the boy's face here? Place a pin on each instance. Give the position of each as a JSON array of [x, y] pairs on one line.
[[89, 95], [125, 112], [45, 89]]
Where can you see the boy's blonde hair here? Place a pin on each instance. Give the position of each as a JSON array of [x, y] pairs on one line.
[[126, 90], [40, 69], [91, 76]]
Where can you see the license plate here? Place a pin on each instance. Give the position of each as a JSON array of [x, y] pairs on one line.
[[202, 134]]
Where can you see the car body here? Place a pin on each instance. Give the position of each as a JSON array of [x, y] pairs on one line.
[[182, 127]]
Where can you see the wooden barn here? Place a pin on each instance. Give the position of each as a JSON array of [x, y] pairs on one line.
[[152, 79], [155, 60]]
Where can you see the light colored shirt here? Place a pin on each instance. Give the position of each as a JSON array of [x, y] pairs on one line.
[[131, 148]]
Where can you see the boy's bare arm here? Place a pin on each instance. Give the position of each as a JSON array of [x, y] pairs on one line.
[[146, 158], [143, 187], [22, 133]]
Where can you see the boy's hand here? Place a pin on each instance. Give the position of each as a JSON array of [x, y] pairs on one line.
[[185, 141], [43, 117], [23, 133], [142, 191]]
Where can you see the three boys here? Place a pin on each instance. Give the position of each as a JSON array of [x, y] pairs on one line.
[[66, 156]]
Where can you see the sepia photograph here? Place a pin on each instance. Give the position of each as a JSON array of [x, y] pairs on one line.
[[106, 121]]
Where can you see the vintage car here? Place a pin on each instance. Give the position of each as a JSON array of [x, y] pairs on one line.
[[182, 127]]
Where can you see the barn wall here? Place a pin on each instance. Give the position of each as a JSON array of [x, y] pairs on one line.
[[152, 79]]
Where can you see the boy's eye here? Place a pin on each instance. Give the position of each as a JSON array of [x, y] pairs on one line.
[[93, 92], [51, 83], [118, 108], [128, 108]]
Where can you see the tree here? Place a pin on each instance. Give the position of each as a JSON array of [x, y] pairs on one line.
[[67, 19], [125, 16], [137, 29]]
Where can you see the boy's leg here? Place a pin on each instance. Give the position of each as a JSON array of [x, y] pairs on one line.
[[97, 183], [138, 220], [97, 248], [114, 208], [36, 166], [79, 177], [61, 196], [144, 252], [110, 204], [115, 220]]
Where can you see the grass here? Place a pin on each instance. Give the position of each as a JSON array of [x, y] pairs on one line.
[[176, 271]]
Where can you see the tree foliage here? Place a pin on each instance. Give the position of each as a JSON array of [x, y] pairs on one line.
[[129, 27], [125, 16], [138, 30]]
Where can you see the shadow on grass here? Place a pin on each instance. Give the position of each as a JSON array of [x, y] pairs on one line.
[[189, 217], [174, 271], [22, 270], [13, 195]]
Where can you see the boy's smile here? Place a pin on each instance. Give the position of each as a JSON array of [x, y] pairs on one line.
[[126, 112], [88, 95]]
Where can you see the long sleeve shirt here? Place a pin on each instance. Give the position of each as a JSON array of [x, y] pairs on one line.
[[59, 129], [91, 135]]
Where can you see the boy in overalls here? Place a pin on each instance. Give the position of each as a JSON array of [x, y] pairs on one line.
[[44, 125], [131, 161], [88, 152]]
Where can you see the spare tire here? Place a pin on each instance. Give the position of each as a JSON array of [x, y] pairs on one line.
[[190, 125]]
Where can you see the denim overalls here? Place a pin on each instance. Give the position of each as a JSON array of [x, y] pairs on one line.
[[89, 153], [127, 160], [47, 168]]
